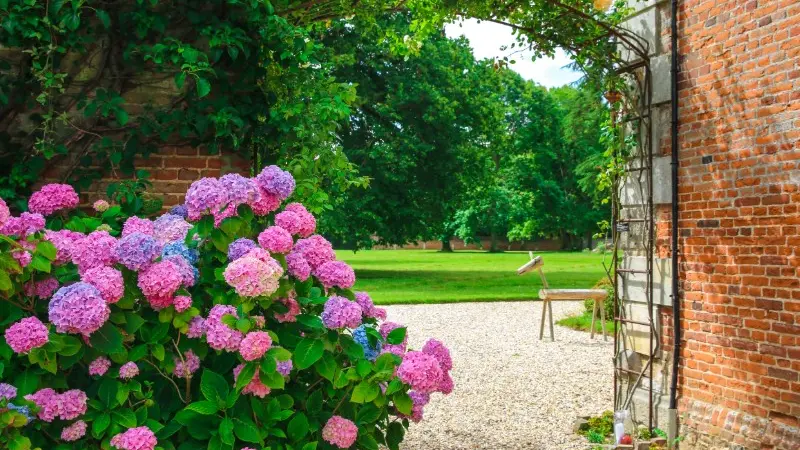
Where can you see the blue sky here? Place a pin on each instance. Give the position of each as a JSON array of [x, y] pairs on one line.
[[486, 38]]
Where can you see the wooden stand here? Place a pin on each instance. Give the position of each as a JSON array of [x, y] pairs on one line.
[[548, 295]]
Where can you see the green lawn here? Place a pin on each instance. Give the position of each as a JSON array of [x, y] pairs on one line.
[[427, 276]]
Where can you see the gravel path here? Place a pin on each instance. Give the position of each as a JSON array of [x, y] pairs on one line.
[[512, 391]]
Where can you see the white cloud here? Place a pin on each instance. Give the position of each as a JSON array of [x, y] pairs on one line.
[[486, 38]]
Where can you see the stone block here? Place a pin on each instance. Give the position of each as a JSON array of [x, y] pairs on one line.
[[660, 70], [632, 285], [634, 187], [644, 24]]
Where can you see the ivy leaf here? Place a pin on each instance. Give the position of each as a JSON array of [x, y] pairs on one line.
[[180, 79], [104, 18], [307, 352], [204, 407], [122, 117], [203, 87], [298, 427], [72, 21]]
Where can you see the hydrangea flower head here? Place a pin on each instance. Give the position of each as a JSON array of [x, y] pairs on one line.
[[437, 349], [276, 240], [140, 438], [197, 328], [159, 282], [101, 205], [74, 432], [7, 392], [397, 349], [170, 228], [47, 401], [27, 223], [284, 367], [23, 257], [179, 210], [42, 289], [137, 250], [370, 351], [239, 248], [26, 334], [51, 198], [368, 306], [340, 432], [316, 250], [5, 214], [336, 274], [265, 203], [93, 250], [63, 241], [418, 402], [128, 370], [187, 272], [240, 190], [251, 277], [446, 385], [205, 195], [339, 312], [182, 303], [187, 367], [218, 335], [289, 221], [99, 366], [307, 224], [293, 310], [420, 371], [254, 345], [276, 181], [255, 386], [138, 225], [179, 248], [297, 266], [78, 308], [72, 404]]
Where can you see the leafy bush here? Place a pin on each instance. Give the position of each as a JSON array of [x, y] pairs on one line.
[[608, 302], [220, 325], [599, 427]]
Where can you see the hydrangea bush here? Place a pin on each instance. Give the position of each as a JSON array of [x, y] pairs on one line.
[[226, 323]]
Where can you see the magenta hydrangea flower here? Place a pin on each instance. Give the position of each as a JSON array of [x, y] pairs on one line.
[[418, 402], [101, 205], [340, 432], [339, 312], [187, 272], [74, 432], [336, 274], [182, 303], [42, 289], [108, 281], [276, 181], [159, 282], [254, 345], [140, 438], [224, 213], [218, 335], [189, 365], [5, 214], [23, 257], [63, 241], [316, 250], [240, 190], [197, 328], [276, 240], [128, 370], [297, 266], [138, 225], [258, 321], [255, 386], [307, 224], [27, 334], [368, 306], [170, 228], [265, 203], [284, 367], [397, 349], [205, 195], [7, 391], [446, 385], [48, 402], [420, 371], [51, 198], [99, 366], [239, 248], [27, 223], [137, 250], [289, 221], [251, 277], [437, 349], [78, 308], [293, 310], [94, 250], [72, 404]]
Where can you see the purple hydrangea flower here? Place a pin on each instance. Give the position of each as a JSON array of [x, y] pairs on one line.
[[78, 308], [339, 312], [239, 248], [276, 181], [137, 250]]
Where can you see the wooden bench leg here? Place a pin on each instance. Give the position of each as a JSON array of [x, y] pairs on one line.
[[550, 309], [603, 319], [544, 313], [594, 314]]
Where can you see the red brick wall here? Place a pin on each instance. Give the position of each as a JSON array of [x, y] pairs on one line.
[[740, 222]]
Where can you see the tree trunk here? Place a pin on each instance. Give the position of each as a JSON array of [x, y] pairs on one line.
[[493, 243], [589, 239], [565, 241], [446, 247]]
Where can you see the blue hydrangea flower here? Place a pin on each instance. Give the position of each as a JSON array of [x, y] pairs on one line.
[[136, 250], [360, 336], [24, 410], [179, 210], [181, 249]]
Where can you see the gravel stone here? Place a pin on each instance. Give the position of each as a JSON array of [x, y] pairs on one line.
[[512, 391]]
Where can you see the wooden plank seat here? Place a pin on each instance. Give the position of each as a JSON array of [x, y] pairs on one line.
[[548, 296]]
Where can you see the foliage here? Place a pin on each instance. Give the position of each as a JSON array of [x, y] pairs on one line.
[[583, 322], [212, 409], [600, 426]]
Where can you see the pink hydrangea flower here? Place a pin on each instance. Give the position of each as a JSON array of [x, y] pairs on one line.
[[159, 282], [108, 280], [5, 214], [182, 303], [291, 314], [420, 371], [47, 401], [339, 312], [265, 203], [128, 370], [316, 250], [289, 221], [418, 402], [276, 240], [140, 438], [258, 321], [437, 349], [137, 250], [100, 205], [254, 345], [185, 269], [307, 224], [23, 257], [336, 274], [189, 365], [27, 334], [94, 250], [170, 228], [446, 385], [197, 328], [51, 198], [368, 307], [218, 335], [255, 386], [63, 241], [78, 308], [74, 432], [7, 391], [24, 225], [340, 432], [205, 195], [297, 266], [42, 289], [240, 190], [251, 277], [99, 366], [138, 225], [72, 404]]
